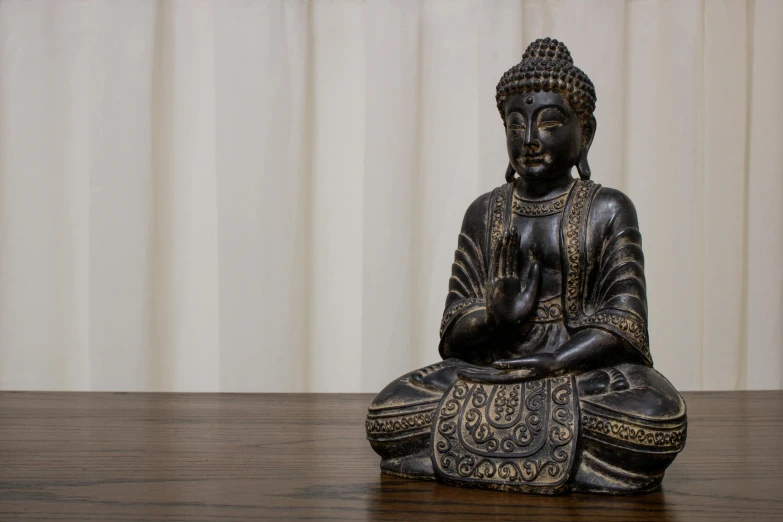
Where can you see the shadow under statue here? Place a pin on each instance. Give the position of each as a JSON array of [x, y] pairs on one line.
[[546, 384]]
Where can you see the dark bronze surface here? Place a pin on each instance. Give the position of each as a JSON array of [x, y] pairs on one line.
[[212, 457], [547, 382]]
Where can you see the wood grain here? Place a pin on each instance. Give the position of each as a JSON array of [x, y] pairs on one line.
[[193, 457]]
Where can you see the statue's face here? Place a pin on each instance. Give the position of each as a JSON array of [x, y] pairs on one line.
[[543, 135]]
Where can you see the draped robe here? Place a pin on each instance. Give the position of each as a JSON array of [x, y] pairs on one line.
[[608, 439]]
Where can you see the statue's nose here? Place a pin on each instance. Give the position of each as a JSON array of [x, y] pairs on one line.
[[531, 138], [532, 145]]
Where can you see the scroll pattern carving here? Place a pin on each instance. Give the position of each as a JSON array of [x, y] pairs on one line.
[[572, 246], [629, 433], [523, 207], [634, 328], [456, 308], [398, 424], [508, 436], [498, 214], [549, 310]]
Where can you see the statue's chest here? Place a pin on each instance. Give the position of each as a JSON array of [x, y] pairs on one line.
[[540, 240]]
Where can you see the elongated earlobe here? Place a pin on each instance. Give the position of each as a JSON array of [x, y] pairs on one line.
[[588, 133], [583, 167], [510, 172]]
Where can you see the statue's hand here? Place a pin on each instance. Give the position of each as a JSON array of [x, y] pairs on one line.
[[541, 364], [522, 369], [507, 301], [492, 376]]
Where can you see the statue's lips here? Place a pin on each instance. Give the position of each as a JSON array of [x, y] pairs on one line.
[[533, 159]]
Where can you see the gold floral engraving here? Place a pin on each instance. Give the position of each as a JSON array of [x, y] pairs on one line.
[[395, 425], [547, 207], [458, 307], [571, 230], [498, 211], [548, 311], [507, 436], [669, 439], [632, 327]]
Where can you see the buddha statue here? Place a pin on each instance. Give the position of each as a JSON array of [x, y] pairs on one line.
[[546, 383]]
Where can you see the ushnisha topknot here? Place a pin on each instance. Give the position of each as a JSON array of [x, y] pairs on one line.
[[547, 66]]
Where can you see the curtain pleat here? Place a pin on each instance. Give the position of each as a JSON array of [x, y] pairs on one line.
[[265, 196]]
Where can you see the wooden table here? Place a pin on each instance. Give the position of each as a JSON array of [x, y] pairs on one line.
[[191, 457]]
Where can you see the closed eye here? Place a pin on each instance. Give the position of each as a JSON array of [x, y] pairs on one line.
[[516, 126], [551, 124]]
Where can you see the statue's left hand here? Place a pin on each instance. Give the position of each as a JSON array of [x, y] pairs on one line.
[[522, 369], [541, 363]]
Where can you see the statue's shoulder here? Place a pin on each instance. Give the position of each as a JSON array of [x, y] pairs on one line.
[[477, 218], [613, 207], [477, 212]]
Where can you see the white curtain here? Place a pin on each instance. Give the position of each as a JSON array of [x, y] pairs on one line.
[[265, 196]]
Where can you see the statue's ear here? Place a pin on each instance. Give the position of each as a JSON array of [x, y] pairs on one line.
[[588, 133], [510, 173]]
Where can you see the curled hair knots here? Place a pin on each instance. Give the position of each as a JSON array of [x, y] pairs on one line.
[[547, 66]]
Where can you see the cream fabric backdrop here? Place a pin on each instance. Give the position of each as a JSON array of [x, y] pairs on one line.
[[265, 196]]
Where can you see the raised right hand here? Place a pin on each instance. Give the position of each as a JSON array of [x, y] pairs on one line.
[[507, 301]]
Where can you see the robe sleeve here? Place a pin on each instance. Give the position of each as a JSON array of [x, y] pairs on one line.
[[615, 297], [467, 283]]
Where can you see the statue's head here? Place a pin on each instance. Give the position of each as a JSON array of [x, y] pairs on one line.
[[547, 108]]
